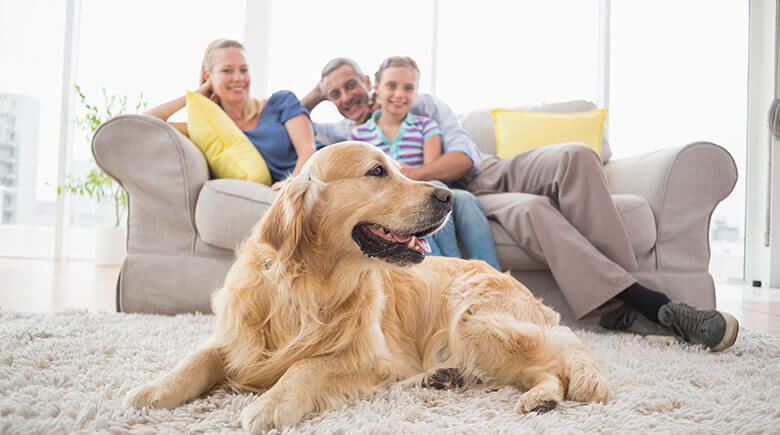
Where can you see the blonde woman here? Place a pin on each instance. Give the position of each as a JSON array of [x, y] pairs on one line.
[[279, 127]]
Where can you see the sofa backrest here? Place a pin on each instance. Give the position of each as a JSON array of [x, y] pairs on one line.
[[479, 123]]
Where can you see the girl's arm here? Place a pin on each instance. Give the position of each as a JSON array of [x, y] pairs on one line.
[[431, 154], [431, 149], [302, 136], [438, 166], [165, 110]]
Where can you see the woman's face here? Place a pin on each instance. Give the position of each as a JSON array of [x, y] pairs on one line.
[[397, 89], [229, 75]]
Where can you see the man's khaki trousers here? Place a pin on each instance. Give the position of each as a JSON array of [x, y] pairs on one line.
[[554, 202]]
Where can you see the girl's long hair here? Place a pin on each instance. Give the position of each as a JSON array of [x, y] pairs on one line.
[[252, 106]]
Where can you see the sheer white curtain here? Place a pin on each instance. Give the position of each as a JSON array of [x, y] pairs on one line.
[[305, 35], [495, 53], [30, 92], [142, 46]]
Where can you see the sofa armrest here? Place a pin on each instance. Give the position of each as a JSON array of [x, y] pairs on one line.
[[162, 173], [682, 185]]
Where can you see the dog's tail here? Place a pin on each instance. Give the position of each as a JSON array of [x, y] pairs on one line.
[[586, 383]]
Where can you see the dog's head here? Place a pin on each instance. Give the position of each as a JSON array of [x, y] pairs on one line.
[[350, 199]]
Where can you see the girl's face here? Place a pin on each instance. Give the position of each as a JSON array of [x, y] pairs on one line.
[[229, 75], [397, 89]]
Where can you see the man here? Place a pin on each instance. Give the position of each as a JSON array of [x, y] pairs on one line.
[[553, 201]]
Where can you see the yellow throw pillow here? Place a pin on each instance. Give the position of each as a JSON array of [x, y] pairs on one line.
[[518, 131], [229, 152]]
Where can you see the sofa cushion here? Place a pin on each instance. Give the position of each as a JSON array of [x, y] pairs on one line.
[[633, 209], [227, 149], [479, 124], [245, 202], [518, 131], [227, 210]]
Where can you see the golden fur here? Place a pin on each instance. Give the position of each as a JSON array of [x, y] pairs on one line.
[[309, 320]]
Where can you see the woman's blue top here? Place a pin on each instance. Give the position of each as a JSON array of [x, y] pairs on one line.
[[270, 136]]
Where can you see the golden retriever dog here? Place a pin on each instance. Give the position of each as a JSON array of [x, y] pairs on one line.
[[329, 299]]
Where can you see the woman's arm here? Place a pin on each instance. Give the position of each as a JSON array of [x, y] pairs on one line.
[[165, 110], [302, 137]]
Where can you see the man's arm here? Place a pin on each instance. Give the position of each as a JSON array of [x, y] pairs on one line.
[[313, 98], [460, 151], [449, 167]]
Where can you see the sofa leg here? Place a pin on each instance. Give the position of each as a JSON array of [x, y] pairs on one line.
[[118, 281]]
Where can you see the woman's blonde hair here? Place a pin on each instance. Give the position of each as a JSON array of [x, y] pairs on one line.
[[252, 106], [388, 63]]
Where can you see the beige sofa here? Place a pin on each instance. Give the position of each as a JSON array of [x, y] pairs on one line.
[[183, 226]]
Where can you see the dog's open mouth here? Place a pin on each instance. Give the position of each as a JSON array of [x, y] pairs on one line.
[[397, 247], [410, 241]]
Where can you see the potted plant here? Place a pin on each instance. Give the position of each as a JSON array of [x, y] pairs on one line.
[[110, 246]]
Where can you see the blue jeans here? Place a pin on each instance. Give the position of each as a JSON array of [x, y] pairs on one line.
[[469, 222]]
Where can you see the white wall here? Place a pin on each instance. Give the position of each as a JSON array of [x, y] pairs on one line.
[[760, 95]]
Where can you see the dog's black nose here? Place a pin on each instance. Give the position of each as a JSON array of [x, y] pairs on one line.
[[443, 196]]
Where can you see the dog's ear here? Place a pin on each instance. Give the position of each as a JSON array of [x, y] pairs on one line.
[[283, 225]]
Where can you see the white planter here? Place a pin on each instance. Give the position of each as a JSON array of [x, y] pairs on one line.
[[110, 246]]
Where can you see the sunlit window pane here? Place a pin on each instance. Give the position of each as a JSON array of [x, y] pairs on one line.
[[368, 32], [500, 53], [31, 49], [142, 46], [679, 75]]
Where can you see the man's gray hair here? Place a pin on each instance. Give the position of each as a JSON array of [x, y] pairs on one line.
[[338, 63]]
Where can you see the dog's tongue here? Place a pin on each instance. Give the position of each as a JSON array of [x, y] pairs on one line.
[[419, 245]]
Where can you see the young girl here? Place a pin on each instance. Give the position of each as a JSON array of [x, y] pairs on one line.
[[415, 141]]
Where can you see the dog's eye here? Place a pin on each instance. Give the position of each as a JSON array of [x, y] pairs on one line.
[[377, 171]]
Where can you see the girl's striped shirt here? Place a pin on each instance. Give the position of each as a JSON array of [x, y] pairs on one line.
[[408, 144]]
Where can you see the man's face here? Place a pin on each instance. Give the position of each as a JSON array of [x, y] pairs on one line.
[[348, 91]]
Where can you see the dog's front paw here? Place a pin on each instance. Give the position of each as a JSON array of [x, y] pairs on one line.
[[262, 415], [535, 401], [444, 379], [150, 395]]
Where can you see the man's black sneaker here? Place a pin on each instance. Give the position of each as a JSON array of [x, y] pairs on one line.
[[709, 328], [628, 319]]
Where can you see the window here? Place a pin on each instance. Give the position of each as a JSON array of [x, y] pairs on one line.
[[679, 75], [30, 90], [155, 48], [302, 43], [496, 53]]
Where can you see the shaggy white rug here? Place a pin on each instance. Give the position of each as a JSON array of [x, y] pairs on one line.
[[69, 372]]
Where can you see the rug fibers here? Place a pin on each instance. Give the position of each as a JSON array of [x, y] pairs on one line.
[[68, 373]]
